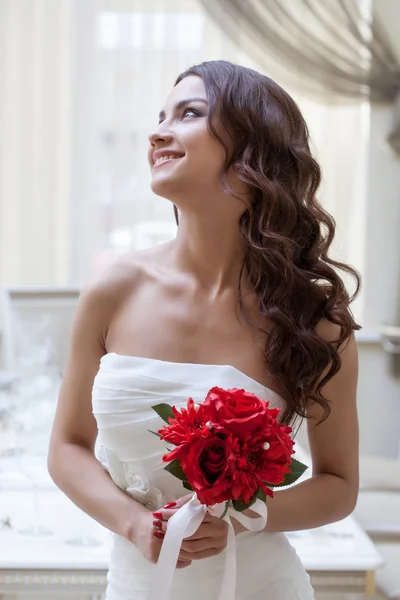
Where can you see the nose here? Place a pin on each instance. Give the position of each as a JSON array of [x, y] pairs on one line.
[[159, 137]]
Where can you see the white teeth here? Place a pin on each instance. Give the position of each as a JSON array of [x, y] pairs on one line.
[[166, 157]]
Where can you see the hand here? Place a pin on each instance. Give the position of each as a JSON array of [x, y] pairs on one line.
[[148, 543], [210, 538]]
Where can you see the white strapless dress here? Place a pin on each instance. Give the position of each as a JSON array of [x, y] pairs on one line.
[[124, 391]]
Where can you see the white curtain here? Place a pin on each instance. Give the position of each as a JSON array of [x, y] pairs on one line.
[[84, 84], [35, 142], [340, 136], [140, 50], [137, 49]]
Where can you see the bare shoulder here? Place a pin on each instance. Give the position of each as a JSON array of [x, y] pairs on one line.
[[122, 275], [348, 353], [100, 300], [330, 332], [104, 294]]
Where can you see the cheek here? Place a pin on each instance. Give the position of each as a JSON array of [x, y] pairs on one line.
[[199, 143], [208, 154]]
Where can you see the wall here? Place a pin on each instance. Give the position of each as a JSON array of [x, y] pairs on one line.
[[378, 402]]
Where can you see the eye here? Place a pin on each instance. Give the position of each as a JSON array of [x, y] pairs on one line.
[[194, 112], [188, 111]]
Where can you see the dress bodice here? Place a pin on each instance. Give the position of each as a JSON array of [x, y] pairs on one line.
[[124, 391]]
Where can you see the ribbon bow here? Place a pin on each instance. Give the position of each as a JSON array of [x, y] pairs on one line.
[[183, 524]]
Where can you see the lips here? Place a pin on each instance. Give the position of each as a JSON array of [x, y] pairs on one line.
[[161, 156]]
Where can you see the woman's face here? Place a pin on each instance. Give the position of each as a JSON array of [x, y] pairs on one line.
[[183, 155]]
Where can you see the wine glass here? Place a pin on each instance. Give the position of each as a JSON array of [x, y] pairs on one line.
[[35, 402], [34, 407], [36, 529], [85, 539], [38, 402]]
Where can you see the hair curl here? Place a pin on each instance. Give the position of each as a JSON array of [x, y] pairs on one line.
[[287, 232]]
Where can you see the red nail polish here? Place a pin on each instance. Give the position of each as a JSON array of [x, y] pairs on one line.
[[170, 505], [157, 524], [159, 534], [157, 515]]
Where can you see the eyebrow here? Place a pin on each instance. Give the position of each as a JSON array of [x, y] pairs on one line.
[[183, 103]]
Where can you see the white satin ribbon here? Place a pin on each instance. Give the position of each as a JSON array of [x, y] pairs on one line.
[[183, 524]]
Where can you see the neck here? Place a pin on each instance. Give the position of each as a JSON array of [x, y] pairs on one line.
[[210, 249]]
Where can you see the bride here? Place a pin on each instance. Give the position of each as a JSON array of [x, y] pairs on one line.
[[245, 296]]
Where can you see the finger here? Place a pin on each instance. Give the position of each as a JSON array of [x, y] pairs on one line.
[[181, 564], [169, 509], [195, 546], [157, 524], [210, 530], [161, 526], [179, 501], [200, 555], [164, 514], [206, 529]]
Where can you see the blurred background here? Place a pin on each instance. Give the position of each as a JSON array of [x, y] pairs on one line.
[[81, 86]]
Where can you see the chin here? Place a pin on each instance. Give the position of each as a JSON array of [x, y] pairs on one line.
[[167, 187]]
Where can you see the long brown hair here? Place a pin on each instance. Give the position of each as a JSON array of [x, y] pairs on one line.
[[287, 232]]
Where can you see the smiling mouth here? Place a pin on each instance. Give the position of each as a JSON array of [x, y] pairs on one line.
[[165, 159]]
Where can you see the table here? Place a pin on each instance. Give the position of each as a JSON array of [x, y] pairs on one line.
[[338, 556]]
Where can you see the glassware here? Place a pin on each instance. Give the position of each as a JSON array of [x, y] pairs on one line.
[[36, 529], [34, 405], [85, 539], [34, 402]]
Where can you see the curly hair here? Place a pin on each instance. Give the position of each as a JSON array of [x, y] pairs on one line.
[[286, 231]]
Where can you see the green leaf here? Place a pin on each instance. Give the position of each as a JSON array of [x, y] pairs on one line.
[[187, 486], [175, 469], [164, 411], [154, 433], [262, 495], [296, 470], [240, 506]]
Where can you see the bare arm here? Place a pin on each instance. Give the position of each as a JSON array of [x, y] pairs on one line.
[[331, 493], [71, 461]]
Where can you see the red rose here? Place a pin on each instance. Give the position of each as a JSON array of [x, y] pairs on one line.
[[209, 467], [282, 444], [230, 446], [238, 411]]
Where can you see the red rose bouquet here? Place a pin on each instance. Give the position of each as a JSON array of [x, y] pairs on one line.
[[231, 448]]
